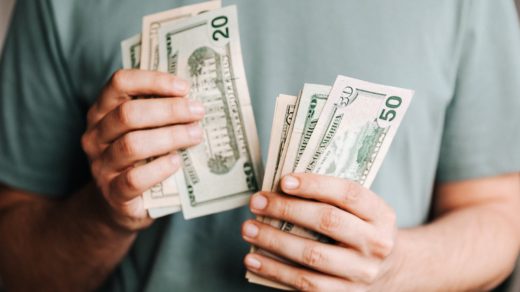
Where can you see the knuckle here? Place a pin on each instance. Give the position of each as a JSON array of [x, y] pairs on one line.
[[313, 255], [330, 219], [131, 181], [271, 242], [382, 247], [92, 115], [127, 145], [369, 273], [283, 208], [86, 143], [304, 283], [90, 144], [352, 193], [125, 113], [118, 79]]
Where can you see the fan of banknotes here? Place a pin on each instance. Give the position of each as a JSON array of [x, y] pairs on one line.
[[200, 43], [343, 131]]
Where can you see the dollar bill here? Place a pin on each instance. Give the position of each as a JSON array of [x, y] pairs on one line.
[[312, 100], [353, 134], [287, 146], [164, 194], [131, 54], [285, 109], [153, 22], [223, 171], [280, 132], [350, 140], [355, 130]]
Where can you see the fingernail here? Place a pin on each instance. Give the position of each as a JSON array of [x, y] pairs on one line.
[[180, 84], [250, 230], [290, 182], [175, 159], [196, 107], [258, 202], [195, 131], [253, 263]]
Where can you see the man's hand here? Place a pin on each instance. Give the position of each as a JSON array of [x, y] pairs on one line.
[[475, 230], [123, 131], [361, 223], [86, 227]]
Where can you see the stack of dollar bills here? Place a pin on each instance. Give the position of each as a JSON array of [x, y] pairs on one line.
[[200, 43], [343, 131]]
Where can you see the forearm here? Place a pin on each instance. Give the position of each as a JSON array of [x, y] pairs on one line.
[[468, 249], [61, 245]]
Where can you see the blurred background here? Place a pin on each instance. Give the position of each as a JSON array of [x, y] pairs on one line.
[[6, 7]]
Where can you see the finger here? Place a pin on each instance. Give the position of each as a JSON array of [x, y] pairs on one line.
[[127, 84], [90, 145], [326, 258], [148, 113], [322, 218], [140, 145], [135, 181], [296, 277], [345, 194]]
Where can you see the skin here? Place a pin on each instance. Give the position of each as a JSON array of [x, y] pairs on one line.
[[87, 234], [75, 243], [471, 244]]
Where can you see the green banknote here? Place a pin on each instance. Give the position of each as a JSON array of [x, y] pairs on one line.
[[345, 133], [223, 171], [353, 134], [131, 52]]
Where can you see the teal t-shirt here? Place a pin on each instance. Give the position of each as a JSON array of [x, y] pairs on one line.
[[462, 57]]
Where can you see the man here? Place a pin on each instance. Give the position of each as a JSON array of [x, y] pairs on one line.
[[71, 216]]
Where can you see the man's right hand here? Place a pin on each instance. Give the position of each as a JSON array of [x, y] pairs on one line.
[[97, 224], [122, 131]]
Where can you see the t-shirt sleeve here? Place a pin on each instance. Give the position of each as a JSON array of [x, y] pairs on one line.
[[41, 118], [482, 125]]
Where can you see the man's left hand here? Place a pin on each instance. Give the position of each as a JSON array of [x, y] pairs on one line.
[[361, 223]]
